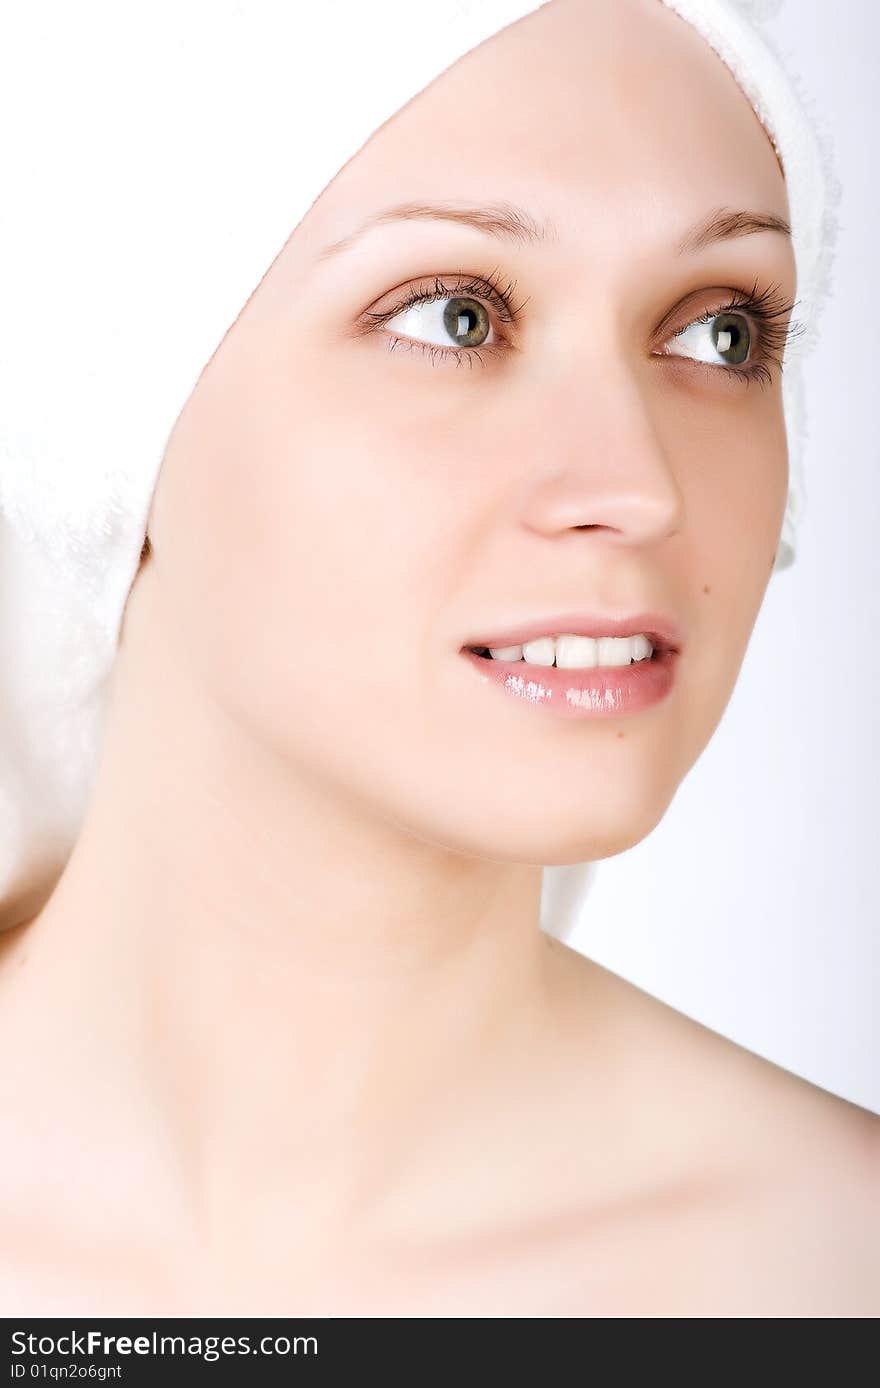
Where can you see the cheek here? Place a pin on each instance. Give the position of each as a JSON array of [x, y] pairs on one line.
[[736, 539], [732, 468], [734, 471], [322, 557]]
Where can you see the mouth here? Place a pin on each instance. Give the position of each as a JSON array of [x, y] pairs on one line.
[[637, 674]]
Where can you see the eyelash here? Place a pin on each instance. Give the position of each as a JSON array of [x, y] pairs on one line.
[[767, 308]]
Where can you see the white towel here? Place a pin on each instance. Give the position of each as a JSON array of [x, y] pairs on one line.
[[143, 203]]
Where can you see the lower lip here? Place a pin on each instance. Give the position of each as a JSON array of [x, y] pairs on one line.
[[603, 692]]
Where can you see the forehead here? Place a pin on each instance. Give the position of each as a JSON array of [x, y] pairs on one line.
[[601, 111]]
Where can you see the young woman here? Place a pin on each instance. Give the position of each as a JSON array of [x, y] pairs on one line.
[[287, 1038]]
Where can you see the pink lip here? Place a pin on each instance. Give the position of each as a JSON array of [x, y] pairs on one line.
[[597, 693], [663, 632]]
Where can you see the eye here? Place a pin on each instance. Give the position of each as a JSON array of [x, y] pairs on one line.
[[450, 322], [723, 339], [457, 321], [745, 337]]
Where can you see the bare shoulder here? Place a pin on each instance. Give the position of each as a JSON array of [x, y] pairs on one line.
[[806, 1190], [820, 1167], [773, 1182], [735, 1090]]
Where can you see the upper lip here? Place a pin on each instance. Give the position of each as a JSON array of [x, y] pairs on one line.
[[662, 631]]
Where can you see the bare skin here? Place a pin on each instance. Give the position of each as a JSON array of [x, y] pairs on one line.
[[286, 1038]]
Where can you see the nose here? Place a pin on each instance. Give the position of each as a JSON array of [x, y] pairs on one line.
[[595, 461]]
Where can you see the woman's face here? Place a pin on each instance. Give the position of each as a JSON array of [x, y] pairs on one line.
[[335, 520]]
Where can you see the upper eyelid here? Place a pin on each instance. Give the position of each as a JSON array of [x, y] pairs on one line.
[[448, 291], [674, 322]]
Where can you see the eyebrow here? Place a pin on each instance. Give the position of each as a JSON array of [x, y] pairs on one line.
[[507, 222], [722, 225]]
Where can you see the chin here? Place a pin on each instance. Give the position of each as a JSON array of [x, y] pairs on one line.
[[550, 837]]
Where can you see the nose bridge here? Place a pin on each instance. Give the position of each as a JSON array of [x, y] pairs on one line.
[[597, 459]]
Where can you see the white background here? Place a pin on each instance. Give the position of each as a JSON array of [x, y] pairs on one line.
[[754, 906]]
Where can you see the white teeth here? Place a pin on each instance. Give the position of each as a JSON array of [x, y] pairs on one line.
[[541, 651], [577, 652], [641, 647]]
